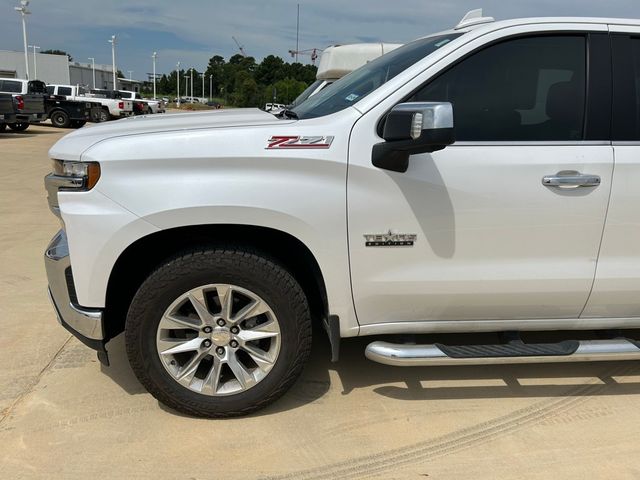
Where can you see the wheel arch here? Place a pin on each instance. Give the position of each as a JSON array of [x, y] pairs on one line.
[[139, 259]]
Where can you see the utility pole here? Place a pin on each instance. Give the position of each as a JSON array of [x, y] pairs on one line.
[[154, 56], [191, 78], [130, 72], [35, 61], [113, 60], [178, 86], [24, 12], [210, 87], [93, 69], [202, 75], [298, 34]]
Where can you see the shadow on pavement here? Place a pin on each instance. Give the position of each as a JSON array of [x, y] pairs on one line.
[[424, 383], [484, 381]]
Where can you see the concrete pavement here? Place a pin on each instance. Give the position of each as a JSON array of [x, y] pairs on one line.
[[63, 415]]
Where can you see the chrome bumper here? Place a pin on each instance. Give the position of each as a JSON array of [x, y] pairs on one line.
[[84, 323]]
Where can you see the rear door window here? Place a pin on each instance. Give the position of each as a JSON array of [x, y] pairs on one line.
[[626, 89]]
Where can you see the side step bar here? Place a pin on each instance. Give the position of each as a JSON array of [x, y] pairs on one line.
[[408, 355]]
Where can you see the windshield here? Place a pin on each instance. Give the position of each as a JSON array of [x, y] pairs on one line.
[[361, 82], [307, 92]]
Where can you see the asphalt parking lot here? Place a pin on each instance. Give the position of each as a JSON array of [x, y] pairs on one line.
[[63, 415]]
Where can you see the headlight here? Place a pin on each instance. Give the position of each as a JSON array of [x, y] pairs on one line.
[[76, 175]]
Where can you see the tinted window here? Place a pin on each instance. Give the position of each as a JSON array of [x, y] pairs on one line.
[[626, 91], [64, 90], [10, 86], [361, 82], [525, 89], [51, 89]]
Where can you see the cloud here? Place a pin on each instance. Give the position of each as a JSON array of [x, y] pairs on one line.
[[192, 31]]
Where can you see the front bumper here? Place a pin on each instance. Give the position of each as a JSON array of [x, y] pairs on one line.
[[84, 323]]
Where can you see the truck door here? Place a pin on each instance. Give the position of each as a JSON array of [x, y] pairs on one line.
[[617, 282], [471, 232]]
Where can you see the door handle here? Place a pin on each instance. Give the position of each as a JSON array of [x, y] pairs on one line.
[[571, 179]]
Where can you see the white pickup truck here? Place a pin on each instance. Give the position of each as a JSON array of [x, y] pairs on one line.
[[462, 183], [112, 108], [153, 106]]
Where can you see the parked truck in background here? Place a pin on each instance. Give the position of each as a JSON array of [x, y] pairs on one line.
[[151, 106], [463, 183], [112, 107], [65, 113], [337, 61], [28, 102]]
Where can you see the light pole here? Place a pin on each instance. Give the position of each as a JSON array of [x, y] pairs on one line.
[[154, 56], [113, 60], [35, 61], [93, 69], [202, 75], [210, 87], [130, 72], [24, 12], [178, 79], [191, 78]]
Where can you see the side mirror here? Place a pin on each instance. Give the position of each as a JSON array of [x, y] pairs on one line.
[[412, 128]]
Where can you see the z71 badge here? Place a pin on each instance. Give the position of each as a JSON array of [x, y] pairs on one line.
[[284, 142], [390, 239]]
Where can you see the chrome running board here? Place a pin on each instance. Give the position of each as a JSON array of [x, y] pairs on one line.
[[408, 355]]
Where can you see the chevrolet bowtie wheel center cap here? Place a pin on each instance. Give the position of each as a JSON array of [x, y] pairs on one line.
[[221, 337]]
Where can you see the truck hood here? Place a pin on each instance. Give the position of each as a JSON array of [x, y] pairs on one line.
[[73, 145]]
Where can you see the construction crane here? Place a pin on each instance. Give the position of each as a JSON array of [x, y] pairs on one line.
[[312, 52], [240, 47]]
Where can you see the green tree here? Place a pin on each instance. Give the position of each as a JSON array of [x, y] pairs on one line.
[[58, 52], [245, 91], [270, 70]]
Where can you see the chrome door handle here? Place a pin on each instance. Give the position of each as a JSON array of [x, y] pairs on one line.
[[571, 179]]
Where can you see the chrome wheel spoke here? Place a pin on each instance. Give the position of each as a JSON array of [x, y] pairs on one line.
[[263, 359], [171, 346], [176, 322], [255, 308], [186, 373], [225, 295], [213, 377], [264, 330], [196, 297], [245, 379]]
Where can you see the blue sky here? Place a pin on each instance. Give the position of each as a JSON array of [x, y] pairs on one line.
[[191, 31]]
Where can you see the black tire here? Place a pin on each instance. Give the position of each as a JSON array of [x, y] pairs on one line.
[[3, 127], [19, 127], [104, 115], [77, 123], [60, 119], [236, 266]]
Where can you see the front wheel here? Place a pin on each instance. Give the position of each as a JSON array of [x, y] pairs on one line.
[[19, 127], [218, 332]]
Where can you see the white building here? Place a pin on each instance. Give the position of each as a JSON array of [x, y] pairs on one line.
[[82, 74], [50, 68]]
